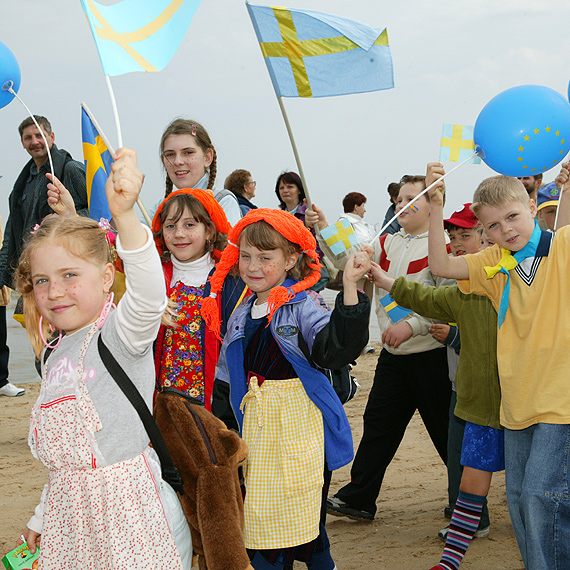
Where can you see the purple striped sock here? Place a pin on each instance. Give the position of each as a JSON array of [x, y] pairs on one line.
[[464, 524]]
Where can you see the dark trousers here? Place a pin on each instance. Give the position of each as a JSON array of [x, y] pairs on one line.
[[4, 350], [454, 467], [402, 385]]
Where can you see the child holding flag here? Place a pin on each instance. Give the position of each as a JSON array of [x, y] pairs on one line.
[[412, 369], [532, 351]]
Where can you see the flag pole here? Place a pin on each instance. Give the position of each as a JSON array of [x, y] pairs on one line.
[[10, 90], [295, 152], [115, 112], [142, 207], [411, 202]]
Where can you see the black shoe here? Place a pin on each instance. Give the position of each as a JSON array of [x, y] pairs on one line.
[[340, 509], [448, 512]]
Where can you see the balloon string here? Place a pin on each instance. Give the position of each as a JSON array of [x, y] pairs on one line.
[[387, 224], [37, 125]]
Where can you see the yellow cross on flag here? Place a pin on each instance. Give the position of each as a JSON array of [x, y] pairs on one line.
[[457, 144]]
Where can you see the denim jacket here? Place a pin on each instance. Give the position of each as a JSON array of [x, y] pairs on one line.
[[334, 339]]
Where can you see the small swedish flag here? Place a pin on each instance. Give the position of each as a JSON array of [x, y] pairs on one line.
[[393, 310], [340, 236]]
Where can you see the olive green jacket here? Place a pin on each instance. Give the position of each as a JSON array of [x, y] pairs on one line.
[[477, 377]]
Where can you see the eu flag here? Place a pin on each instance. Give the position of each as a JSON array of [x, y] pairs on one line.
[[98, 162], [312, 54], [138, 35]]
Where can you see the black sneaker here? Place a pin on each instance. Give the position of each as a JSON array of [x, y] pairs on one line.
[[336, 507]]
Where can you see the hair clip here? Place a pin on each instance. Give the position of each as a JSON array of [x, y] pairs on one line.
[[35, 229], [104, 224], [194, 130]]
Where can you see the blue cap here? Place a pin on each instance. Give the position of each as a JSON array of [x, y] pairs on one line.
[[548, 195]]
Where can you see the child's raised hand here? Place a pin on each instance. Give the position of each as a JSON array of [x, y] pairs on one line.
[[434, 172], [563, 179], [356, 268], [59, 198], [124, 183], [315, 216], [439, 331], [379, 277]]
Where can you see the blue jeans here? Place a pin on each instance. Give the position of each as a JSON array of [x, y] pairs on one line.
[[538, 493]]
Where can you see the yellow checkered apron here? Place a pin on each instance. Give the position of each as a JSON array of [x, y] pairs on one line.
[[283, 430]]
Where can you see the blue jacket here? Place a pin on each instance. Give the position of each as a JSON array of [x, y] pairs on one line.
[[333, 343]]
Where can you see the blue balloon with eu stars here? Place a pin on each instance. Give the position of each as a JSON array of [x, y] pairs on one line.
[[524, 130], [9, 75]]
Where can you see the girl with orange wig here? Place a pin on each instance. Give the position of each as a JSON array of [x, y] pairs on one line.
[[190, 230], [268, 387]]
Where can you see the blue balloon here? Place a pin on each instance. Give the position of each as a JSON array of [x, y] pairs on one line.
[[524, 130], [9, 75]]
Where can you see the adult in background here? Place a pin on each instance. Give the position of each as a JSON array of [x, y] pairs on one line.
[[29, 206], [394, 227], [291, 194], [242, 184], [532, 184], [354, 209]]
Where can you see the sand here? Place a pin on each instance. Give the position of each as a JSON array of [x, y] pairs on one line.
[[403, 534]]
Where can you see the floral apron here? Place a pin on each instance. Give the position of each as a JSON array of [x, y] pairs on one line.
[[104, 517]]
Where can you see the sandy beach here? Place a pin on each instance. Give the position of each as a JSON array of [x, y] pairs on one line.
[[410, 506]]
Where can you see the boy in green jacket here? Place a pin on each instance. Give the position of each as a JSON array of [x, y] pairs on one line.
[[477, 380]]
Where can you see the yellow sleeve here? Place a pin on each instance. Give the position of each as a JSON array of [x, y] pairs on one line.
[[478, 283]]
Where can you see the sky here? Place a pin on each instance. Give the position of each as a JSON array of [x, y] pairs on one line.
[[450, 59]]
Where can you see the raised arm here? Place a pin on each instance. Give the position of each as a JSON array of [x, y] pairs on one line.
[[123, 188], [563, 179], [439, 261]]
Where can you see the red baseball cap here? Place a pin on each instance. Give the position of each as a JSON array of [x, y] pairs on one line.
[[463, 217]]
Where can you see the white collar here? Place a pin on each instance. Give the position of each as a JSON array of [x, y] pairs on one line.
[[193, 273]]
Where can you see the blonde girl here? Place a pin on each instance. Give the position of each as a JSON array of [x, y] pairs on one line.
[[105, 505]]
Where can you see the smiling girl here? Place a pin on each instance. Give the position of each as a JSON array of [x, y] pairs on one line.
[[190, 161], [287, 411], [190, 230], [103, 505]]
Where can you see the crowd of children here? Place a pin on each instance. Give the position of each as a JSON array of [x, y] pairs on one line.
[[221, 311]]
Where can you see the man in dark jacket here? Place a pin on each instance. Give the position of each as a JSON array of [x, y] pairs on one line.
[[28, 200]]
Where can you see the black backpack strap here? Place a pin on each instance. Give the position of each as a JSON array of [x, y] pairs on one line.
[[169, 472]]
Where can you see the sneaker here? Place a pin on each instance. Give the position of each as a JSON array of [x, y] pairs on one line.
[[11, 390], [368, 349], [479, 533], [336, 507]]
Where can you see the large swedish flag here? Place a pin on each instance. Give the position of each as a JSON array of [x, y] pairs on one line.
[[138, 35], [98, 162], [311, 54]]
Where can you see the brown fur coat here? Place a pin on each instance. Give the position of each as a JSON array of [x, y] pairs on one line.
[[207, 455]]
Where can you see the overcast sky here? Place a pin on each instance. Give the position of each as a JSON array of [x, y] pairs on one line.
[[450, 59]]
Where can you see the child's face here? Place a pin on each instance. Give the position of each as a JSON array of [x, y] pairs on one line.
[[547, 215], [416, 220], [185, 238], [485, 241], [262, 270], [185, 161], [509, 225], [463, 241], [70, 292]]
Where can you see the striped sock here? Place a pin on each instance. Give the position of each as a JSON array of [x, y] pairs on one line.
[[464, 524]]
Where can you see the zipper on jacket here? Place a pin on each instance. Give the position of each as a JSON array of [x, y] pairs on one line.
[[205, 437]]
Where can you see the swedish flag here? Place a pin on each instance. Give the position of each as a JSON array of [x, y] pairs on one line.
[[393, 310], [340, 236], [98, 162], [138, 35], [311, 54]]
